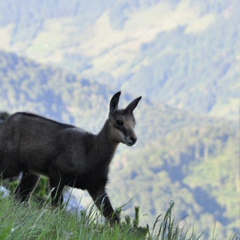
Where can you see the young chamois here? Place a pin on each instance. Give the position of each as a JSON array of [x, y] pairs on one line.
[[67, 155]]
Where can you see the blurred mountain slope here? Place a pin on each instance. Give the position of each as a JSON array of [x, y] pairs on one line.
[[181, 53]]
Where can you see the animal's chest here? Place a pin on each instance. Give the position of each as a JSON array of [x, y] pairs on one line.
[[88, 179]]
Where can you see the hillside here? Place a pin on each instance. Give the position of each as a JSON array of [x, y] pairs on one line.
[[190, 165], [50, 91], [179, 156], [180, 53]]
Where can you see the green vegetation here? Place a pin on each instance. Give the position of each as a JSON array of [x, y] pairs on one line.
[[20, 221], [46, 223], [190, 165]]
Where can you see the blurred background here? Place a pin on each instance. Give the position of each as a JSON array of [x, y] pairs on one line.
[[65, 60]]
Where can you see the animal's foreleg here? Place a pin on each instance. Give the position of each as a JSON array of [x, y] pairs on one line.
[[26, 186], [56, 192], [103, 203]]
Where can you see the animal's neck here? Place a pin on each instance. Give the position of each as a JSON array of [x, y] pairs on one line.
[[104, 146]]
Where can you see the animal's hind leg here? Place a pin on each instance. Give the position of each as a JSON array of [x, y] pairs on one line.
[[26, 186]]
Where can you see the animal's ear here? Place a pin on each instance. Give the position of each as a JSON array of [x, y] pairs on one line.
[[114, 103], [132, 105]]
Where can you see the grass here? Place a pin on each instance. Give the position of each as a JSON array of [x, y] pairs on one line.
[[22, 221], [35, 222]]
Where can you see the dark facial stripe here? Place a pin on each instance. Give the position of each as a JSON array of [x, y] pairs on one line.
[[123, 130]]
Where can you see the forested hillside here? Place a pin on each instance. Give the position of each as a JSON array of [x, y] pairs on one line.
[[179, 156], [29, 86], [181, 53]]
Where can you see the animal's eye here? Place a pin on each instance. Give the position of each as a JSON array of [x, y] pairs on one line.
[[119, 122]]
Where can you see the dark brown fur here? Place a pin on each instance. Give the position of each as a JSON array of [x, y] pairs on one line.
[[67, 155]]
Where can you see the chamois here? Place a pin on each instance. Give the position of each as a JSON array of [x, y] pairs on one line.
[[67, 155]]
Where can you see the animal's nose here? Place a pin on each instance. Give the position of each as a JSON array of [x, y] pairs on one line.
[[133, 140]]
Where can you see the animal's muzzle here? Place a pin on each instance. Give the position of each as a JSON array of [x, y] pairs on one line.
[[130, 140]]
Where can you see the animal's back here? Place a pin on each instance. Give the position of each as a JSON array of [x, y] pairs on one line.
[[31, 140]]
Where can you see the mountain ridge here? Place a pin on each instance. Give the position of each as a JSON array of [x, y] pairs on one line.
[[188, 53]]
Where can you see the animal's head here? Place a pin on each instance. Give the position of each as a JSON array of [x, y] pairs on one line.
[[122, 121]]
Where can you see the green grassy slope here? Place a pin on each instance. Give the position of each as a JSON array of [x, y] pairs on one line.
[[20, 221], [35, 222]]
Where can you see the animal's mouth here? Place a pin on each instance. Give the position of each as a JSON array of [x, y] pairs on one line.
[[129, 144], [130, 141]]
